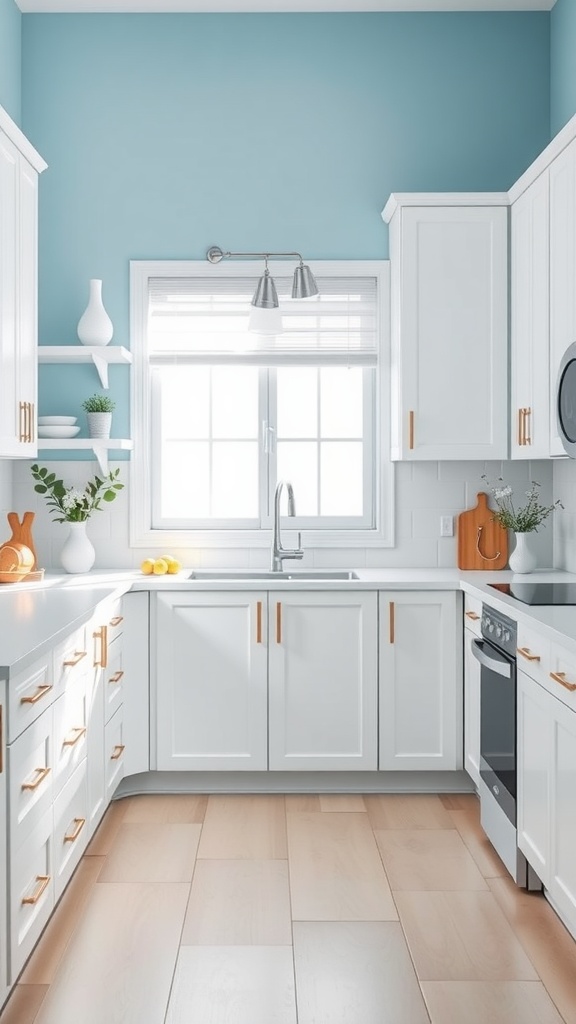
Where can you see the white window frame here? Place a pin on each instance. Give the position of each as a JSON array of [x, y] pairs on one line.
[[142, 535]]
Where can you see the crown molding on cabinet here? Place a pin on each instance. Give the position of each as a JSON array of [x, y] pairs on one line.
[[11, 129], [564, 137], [443, 199], [272, 6]]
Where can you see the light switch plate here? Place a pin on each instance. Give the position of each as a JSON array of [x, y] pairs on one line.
[[446, 526]]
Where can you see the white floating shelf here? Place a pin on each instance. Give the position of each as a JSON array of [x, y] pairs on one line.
[[100, 446], [100, 355]]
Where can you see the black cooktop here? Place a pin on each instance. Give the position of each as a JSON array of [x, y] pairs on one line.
[[539, 593]]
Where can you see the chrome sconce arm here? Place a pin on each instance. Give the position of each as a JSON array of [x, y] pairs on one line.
[[266, 297]]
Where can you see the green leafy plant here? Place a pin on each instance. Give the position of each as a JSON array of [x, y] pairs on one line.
[[524, 519], [98, 403], [70, 504]]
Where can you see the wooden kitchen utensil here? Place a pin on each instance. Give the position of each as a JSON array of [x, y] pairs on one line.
[[482, 541], [22, 531]]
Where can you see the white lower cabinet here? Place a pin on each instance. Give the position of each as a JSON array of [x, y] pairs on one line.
[[3, 850], [31, 892], [420, 686], [70, 828], [114, 748]]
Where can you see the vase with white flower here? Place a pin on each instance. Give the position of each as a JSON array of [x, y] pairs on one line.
[[72, 506], [521, 519]]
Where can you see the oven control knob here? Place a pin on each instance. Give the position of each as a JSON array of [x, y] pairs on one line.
[[498, 631], [491, 627], [506, 636]]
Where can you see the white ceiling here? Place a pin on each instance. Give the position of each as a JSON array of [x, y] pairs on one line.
[[275, 6]]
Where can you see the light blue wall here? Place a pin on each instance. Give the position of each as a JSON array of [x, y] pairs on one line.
[[165, 134], [562, 63], [10, 50]]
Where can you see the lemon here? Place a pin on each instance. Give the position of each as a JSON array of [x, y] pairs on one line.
[[160, 567], [174, 566], [147, 566]]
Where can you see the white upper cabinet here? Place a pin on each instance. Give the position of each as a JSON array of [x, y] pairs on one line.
[[19, 168], [449, 266], [530, 311], [562, 272]]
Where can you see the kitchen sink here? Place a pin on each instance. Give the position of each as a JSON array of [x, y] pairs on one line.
[[303, 576]]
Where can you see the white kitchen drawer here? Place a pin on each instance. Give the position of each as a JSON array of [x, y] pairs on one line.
[[30, 693], [561, 679], [30, 770], [71, 658], [70, 828], [114, 753], [31, 893], [70, 732], [113, 679], [472, 614], [533, 653]]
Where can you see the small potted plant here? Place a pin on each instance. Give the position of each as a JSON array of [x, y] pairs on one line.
[[99, 415]]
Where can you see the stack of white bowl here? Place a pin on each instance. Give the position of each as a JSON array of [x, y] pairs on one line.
[[57, 426]]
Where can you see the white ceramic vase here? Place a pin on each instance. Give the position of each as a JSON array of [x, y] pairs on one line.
[[78, 554], [95, 326], [522, 558], [99, 424]]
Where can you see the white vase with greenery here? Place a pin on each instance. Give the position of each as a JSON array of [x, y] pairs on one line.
[[522, 520]]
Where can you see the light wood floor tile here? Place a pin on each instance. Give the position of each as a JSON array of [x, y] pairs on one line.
[[251, 827], [302, 802], [335, 871], [461, 936], [119, 968], [407, 811], [342, 802], [105, 835], [152, 853], [355, 973], [460, 802], [172, 809], [550, 947], [427, 859], [233, 984], [478, 844], [239, 903], [42, 965], [23, 1005], [482, 1002]]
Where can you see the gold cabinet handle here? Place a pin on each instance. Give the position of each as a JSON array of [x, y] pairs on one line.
[[41, 774], [525, 652], [278, 622], [77, 656], [527, 436], [259, 622], [78, 826], [32, 422], [472, 615], [520, 419], [411, 429], [44, 882], [118, 751], [35, 697], [21, 422], [560, 677], [102, 635], [116, 620], [72, 740], [391, 620], [117, 676]]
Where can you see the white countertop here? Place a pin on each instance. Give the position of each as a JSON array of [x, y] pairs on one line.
[[35, 615]]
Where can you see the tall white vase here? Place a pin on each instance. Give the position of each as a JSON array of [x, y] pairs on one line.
[[95, 326], [522, 558], [78, 554]]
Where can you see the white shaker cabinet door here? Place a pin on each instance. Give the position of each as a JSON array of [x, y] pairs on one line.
[[210, 681], [534, 753], [562, 880], [562, 272], [323, 681], [4, 938], [420, 681]]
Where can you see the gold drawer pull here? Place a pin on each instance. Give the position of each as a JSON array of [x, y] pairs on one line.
[[80, 731], [116, 620], [560, 677], [78, 826], [44, 881], [41, 774], [117, 676], [102, 635], [526, 653], [259, 622], [411, 429], [472, 615], [78, 655], [391, 621], [118, 751], [40, 692], [278, 622]]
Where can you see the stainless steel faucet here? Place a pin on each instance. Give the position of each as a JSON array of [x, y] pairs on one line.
[[278, 552]]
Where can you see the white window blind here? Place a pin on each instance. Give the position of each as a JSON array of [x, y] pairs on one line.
[[205, 319]]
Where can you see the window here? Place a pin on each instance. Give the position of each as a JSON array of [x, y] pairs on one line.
[[219, 415]]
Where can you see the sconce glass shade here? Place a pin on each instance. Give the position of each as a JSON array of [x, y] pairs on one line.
[[304, 284], [265, 321], [265, 296]]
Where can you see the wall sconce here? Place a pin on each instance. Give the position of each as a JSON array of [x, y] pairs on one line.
[[266, 297]]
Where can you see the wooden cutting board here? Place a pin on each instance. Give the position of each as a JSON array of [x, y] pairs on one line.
[[482, 542]]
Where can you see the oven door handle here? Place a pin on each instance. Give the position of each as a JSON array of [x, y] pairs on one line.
[[495, 662]]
